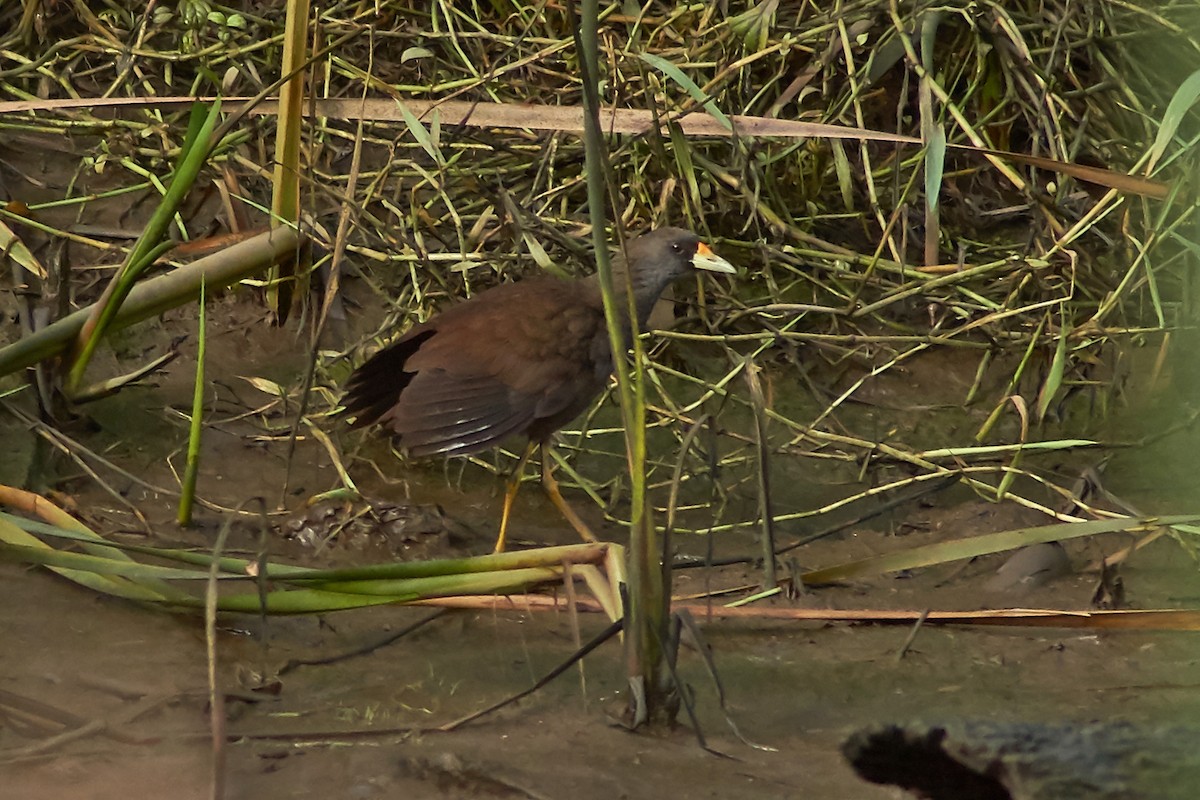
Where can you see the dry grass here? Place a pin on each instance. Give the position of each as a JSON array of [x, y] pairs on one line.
[[837, 301]]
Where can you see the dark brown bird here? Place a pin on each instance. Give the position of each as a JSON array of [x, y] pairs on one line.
[[521, 358]]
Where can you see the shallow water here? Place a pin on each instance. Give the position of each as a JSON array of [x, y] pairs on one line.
[[344, 729]]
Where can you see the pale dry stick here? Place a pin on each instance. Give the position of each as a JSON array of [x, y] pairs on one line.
[[935, 472], [43, 716], [949, 280], [254, 412], [568, 579], [909, 458], [75, 448], [858, 384], [805, 256], [66, 235], [47, 433], [1001, 315], [912, 635], [1163, 619], [522, 117], [96, 725], [873, 491], [718, 388], [848, 339]]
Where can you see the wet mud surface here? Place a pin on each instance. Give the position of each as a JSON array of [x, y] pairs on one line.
[[105, 699], [139, 677]]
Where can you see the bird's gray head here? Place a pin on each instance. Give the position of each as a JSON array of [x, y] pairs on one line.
[[660, 256], [655, 259], [649, 264]]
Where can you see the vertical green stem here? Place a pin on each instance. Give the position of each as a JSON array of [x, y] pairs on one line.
[[645, 623], [187, 494]]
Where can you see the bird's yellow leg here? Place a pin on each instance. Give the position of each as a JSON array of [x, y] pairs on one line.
[[550, 485], [510, 494]]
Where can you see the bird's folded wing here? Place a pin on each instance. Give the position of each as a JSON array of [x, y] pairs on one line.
[[454, 414]]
